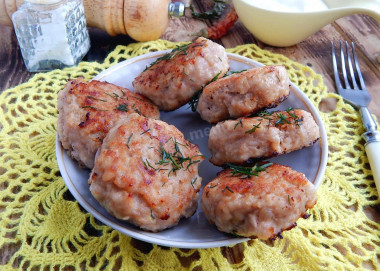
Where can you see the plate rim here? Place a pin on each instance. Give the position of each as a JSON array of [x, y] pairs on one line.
[[146, 236]]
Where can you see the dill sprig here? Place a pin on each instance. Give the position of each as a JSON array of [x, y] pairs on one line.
[[97, 99], [253, 129], [146, 131], [265, 113], [175, 159], [282, 119], [114, 96], [238, 123], [247, 172], [232, 72], [179, 50], [167, 158], [297, 120], [93, 108], [89, 106], [214, 13], [215, 77], [129, 140], [122, 107], [193, 182], [136, 109], [228, 189], [193, 103]]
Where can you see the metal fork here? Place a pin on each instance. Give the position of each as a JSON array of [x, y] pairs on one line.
[[355, 93]]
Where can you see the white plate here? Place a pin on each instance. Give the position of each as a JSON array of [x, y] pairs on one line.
[[194, 232]]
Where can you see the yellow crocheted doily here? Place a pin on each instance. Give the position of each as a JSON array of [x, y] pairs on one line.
[[42, 227]]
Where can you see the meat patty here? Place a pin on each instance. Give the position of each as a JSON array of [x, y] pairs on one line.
[[244, 93], [259, 206], [147, 173], [173, 79], [88, 110], [267, 135]]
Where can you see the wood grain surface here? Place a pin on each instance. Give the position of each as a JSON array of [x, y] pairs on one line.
[[313, 52]]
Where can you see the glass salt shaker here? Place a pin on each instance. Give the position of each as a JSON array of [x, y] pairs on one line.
[[52, 34]]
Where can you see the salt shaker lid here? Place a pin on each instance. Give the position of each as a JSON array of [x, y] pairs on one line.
[[176, 9]]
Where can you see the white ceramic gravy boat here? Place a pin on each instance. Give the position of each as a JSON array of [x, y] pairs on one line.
[[279, 28]]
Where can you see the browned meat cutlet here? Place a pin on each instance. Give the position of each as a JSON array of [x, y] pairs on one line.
[[258, 202], [264, 136], [147, 173], [244, 93], [87, 111], [176, 77]]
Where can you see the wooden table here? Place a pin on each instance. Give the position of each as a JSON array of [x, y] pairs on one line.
[[313, 52]]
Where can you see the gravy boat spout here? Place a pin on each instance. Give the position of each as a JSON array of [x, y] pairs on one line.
[[284, 27]]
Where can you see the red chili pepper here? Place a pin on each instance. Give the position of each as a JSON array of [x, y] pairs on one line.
[[220, 28]]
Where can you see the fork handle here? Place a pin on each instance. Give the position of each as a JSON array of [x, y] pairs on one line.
[[372, 149]]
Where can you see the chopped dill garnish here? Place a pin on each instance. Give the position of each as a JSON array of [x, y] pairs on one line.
[[151, 214], [250, 131], [193, 182], [269, 120], [247, 172], [92, 107], [265, 113], [114, 96], [129, 139], [89, 106], [191, 162], [145, 131], [215, 77], [238, 123], [228, 188], [233, 72], [297, 120], [213, 186], [193, 103], [137, 110], [149, 165], [91, 97], [282, 119], [145, 165], [138, 98], [179, 50], [122, 107], [167, 158], [176, 159]]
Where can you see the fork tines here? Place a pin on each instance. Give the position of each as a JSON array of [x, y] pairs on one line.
[[349, 61]]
